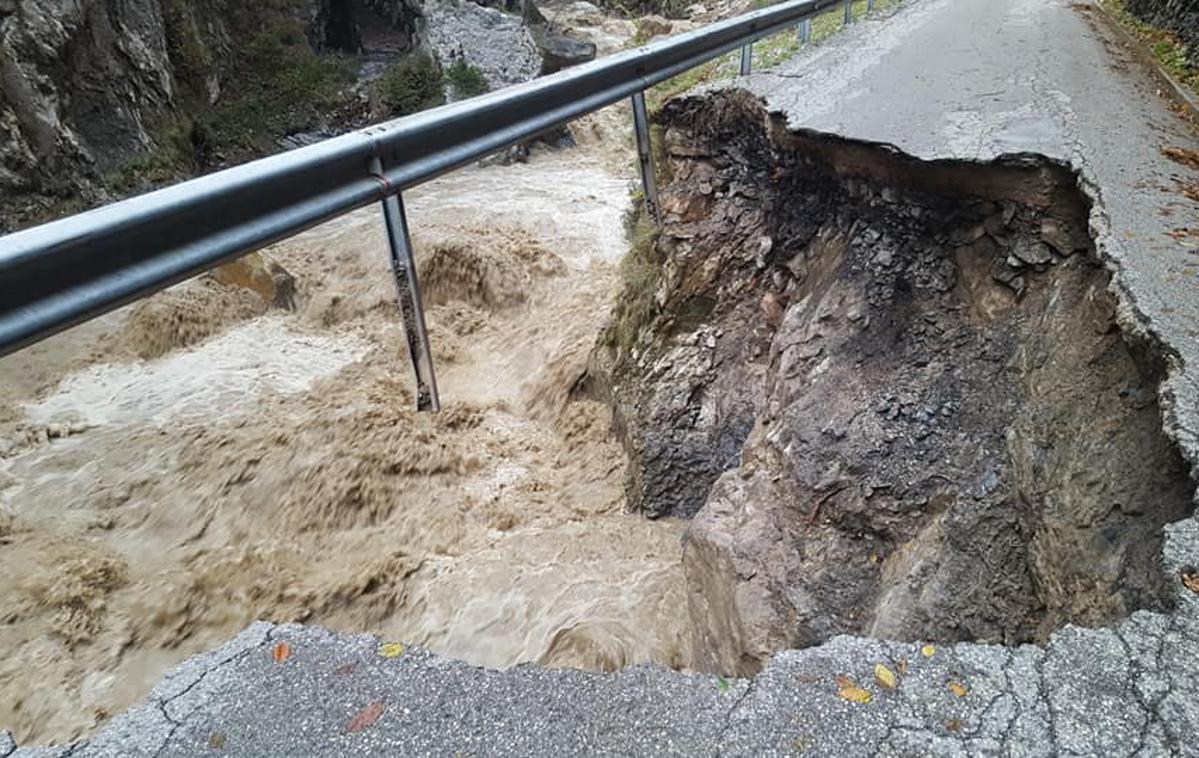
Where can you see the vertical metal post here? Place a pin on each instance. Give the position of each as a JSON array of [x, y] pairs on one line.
[[848, 12], [805, 31], [645, 156], [408, 290], [869, 6], [747, 57]]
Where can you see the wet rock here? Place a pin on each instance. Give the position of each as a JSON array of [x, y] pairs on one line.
[[560, 51], [1032, 252], [1056, 237], [257, 273]]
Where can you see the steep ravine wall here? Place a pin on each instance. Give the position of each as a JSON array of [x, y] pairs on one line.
[[892, 394]]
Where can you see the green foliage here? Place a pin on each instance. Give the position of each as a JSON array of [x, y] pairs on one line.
[[189, 54], [639, 270], [276, 83], [1170, 51], [179, 148], [413, 84], [465, 80]]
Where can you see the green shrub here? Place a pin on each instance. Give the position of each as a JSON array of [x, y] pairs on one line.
[[465, 80], [413, 84]]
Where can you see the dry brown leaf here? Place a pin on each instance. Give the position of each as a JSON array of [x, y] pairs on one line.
[[1190, 580], [902, 666], [847, 690], [885, 676], [958, 689], [281, 652], [365, 717], [1182, 155], [345, 668], [953, 725]]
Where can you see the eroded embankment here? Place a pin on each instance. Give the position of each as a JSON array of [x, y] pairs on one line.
[[893, 394]]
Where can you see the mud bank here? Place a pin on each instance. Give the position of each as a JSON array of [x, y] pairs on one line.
[[892, 394]]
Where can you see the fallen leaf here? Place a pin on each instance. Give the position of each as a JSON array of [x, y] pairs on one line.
[[391, 649], [885, 676], [902, 666], [365, 717], [1190, 580], [1182, 155], [847, 690], [958, 689], [953, 725], [927, 651], [345, 668], [216, 740], [281, 652], [722, 684]]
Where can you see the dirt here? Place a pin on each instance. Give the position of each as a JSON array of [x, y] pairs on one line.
[[205, 458], [894, 394]]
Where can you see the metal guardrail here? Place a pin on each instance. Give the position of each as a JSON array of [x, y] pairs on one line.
[[62, 273]]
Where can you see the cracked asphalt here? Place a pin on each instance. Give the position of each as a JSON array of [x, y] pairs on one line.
[[937, 78]]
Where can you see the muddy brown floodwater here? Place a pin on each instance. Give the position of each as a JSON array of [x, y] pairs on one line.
[[267, 464]]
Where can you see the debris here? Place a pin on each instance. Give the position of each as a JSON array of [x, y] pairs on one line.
[[885, 677], [366, 717], [958, 689], [281, 652], [391, 649], [928, 651], [847, 690], [1190, 580], [1182, 155]]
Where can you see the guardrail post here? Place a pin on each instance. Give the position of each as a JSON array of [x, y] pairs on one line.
[[848, 12], [805, 31], [747, 57], [869, 6], [412, 309], [645, 157]]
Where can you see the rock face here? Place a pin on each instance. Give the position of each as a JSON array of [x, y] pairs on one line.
[[88, 88], [895, 392], [82, 84], [1178, 16], [500, 45]]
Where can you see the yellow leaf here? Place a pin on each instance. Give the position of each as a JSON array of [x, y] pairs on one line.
[[958, 689], [927, 651], [391, 649], [851, 692], [885, 676]]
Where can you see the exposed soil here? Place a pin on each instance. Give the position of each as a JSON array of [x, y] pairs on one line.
[[204, 458], [895, 395]]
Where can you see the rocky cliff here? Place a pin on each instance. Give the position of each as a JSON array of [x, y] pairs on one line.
[[101, 98]]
